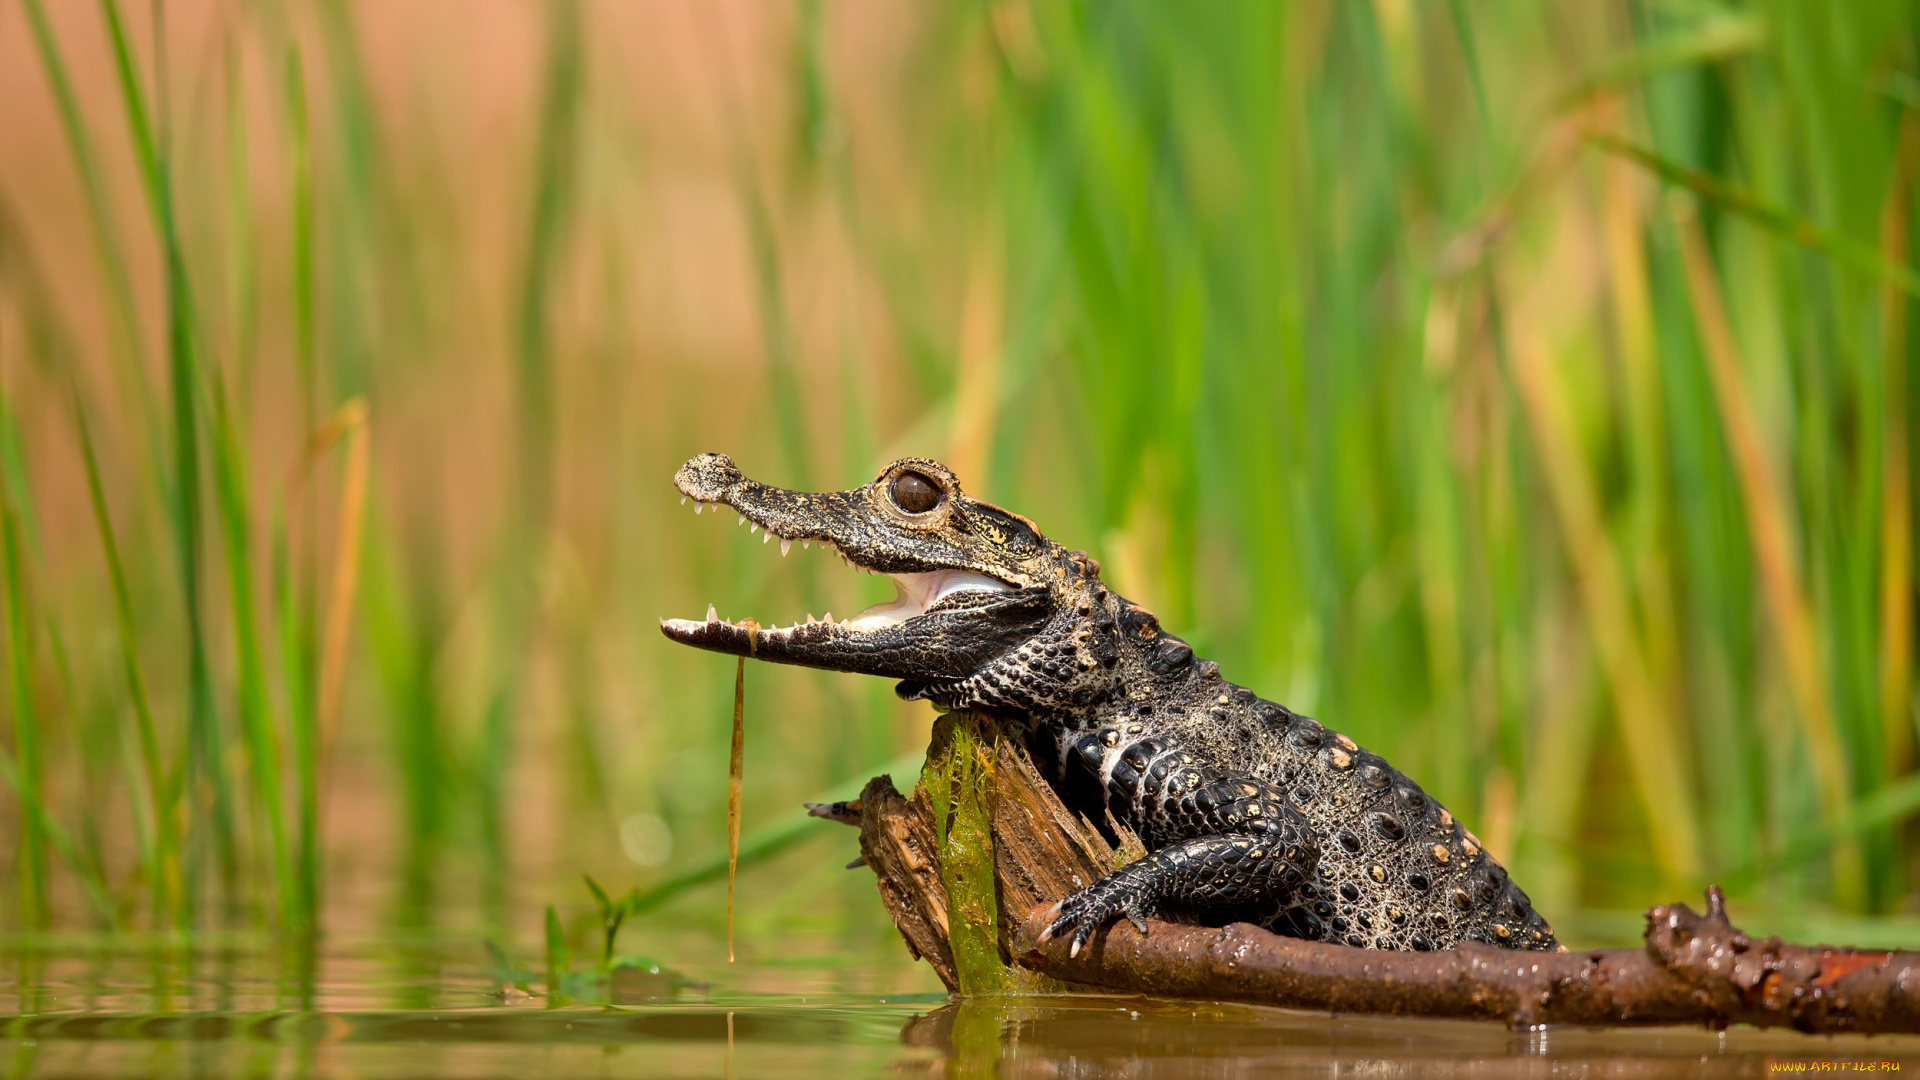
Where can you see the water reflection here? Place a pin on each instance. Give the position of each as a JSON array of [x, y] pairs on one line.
[[232, 1011], [1053, 1037], [1137, 1038]]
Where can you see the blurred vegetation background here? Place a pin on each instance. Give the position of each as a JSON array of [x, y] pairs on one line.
[[1523, 388]]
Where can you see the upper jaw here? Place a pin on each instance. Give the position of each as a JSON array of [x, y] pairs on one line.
[[843, 521], [930, 594], [712, 480]]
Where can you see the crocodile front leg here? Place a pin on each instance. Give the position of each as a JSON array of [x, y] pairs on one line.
[[1216, 839]]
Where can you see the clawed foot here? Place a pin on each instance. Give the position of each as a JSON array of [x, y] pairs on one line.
[[1089, 910]]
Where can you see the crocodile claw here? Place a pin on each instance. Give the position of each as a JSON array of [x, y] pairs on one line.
[[1088, 911]]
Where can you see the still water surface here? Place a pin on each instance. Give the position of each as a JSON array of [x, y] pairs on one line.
[[830, 1008]]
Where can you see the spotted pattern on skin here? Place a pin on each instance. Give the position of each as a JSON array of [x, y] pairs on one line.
[[1248, 810]]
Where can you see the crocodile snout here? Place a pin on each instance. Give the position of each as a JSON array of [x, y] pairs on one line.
[[708, 477]]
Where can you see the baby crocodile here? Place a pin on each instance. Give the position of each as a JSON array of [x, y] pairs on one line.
[[1249, 811]]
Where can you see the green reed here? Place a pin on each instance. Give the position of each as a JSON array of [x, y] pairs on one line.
[[1523, 389], [154, 817], [24, 768]]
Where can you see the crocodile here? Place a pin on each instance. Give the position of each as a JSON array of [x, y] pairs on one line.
[[1248, 811]]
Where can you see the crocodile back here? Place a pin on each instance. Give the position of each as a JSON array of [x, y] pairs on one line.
[[1396, 870]]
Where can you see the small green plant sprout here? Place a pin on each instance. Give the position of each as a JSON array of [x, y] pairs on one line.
[[612, 914], [612, 980], [559, 960]]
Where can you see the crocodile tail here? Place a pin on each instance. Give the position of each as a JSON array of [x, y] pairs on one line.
[[1499, 912]]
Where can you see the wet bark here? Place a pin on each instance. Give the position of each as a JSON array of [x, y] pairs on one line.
[[1691, 969], [897, 843]]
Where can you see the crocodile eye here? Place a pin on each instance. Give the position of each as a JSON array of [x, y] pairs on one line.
[[914, 493]]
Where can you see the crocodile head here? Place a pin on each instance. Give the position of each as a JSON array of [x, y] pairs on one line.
[[985, 602]]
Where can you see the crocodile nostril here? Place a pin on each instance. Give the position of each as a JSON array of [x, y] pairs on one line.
[[707, 477]]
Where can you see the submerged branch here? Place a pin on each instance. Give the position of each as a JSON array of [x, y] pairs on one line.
[[1693, 968]]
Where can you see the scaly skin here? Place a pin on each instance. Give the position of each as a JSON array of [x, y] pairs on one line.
[[1248, 811]]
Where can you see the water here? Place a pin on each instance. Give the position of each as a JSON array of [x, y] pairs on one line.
[[834, 1008]]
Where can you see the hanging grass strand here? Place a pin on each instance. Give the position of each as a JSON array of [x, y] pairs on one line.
[[734, 773]]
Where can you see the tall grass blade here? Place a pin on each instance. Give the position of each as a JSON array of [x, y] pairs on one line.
[[1896, 535], [104, 226], [300, 166], [1462, 21], [558, 959], [555, 165], [148, 151], [242, 276], [1722, 36], [1780, 222], [298, 602], [297, 676], [150, 155], [352, 420], [258, 728], [164, 874], [27, 778]]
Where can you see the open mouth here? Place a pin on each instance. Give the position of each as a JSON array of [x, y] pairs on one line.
[[917, 594]]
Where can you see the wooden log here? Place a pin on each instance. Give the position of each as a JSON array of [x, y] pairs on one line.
[[1692, 968], [897, 842]]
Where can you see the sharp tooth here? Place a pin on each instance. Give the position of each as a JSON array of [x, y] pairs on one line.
[[753, 528], [785, 546], [829, 617], [712, 615], [766, 537], [806, 545], [697, 507], [742, 521], [683, 500]]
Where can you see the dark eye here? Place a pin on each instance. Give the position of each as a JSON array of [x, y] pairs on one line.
[[914, 493]]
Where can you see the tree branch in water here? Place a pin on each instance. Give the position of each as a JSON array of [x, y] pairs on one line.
[[1692, 969]]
